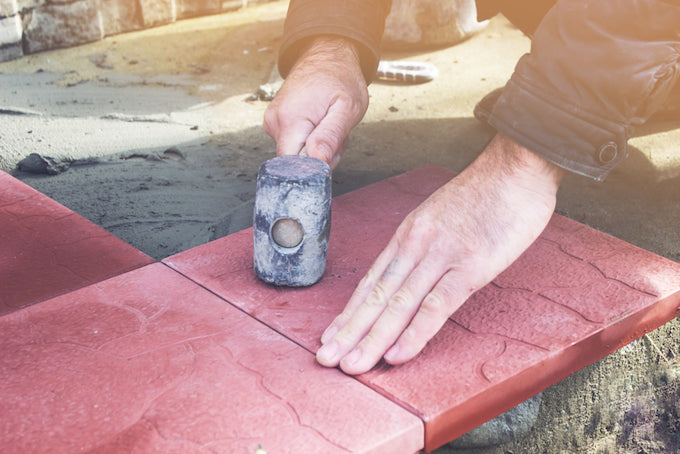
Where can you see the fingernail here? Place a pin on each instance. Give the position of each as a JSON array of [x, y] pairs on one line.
[[327, 352], [391, 353], [330, 333], [352, 357]]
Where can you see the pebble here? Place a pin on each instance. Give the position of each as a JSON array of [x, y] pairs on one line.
[[44, 165]]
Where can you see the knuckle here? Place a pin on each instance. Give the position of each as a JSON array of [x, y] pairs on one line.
[[341, 320], [416, 230], [347, 336], [270, 122], [344, 338], [331, 139], [371, 338], [400, 302], [409, 336], [434, 304], [368, 281], [320, 150], [377, 296]]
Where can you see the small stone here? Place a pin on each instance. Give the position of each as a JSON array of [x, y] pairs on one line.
[[174, 152], [99, 60], [265, 92], [511, 425], [45, 165]]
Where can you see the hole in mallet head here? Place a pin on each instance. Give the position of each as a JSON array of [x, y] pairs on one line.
[[287, 232]]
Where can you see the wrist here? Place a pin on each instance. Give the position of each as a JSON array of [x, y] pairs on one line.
[[331, 49], [519, 163]]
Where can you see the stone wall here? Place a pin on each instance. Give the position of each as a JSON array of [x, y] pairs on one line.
[[29, 26]]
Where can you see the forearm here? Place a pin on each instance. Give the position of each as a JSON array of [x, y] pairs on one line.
[[503, 158], [329, 51]]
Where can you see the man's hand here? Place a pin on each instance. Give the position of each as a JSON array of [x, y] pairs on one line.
[[321, 100], [456, 242]]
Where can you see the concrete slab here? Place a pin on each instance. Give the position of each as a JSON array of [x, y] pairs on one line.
[[48, 250], [150, 362], [574, 297], [89, 111]]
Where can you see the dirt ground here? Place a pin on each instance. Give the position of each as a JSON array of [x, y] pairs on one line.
[[153, 136]]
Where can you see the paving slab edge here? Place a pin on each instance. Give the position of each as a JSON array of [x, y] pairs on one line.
[[557, 367]]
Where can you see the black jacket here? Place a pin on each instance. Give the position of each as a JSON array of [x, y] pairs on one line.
[[597, 69]]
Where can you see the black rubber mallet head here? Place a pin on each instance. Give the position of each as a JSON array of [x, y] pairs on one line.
[[292, 220]]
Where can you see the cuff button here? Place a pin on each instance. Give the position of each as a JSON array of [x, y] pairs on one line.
[[607, 153]]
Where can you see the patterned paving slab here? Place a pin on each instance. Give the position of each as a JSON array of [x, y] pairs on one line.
[[575, 296], [148, 361], [47, 250]]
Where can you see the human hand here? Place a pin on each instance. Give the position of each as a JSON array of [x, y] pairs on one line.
[[319, 103], [456, 242]]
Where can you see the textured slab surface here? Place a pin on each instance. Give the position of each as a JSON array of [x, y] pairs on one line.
[[150, 362], [46, 249], [575, 296]]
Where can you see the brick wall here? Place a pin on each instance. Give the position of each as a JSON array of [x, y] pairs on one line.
[[29, 26]]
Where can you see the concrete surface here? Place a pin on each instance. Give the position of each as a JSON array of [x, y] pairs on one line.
[[163, 149]]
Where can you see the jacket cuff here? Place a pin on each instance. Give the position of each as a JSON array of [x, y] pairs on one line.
[[567, 136], [362, 22]]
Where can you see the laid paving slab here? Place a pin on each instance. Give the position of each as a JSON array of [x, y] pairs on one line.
[[48, 250], [574, 297], [148, 361]]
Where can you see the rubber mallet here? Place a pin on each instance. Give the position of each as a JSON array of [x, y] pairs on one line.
[[292, 220]]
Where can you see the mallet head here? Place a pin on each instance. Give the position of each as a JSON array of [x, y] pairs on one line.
[[292, 220]]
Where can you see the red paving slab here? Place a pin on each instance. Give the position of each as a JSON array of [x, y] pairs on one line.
[[575, 296], [149, 361], [47, 250]]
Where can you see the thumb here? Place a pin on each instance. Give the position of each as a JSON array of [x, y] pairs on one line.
[[292, 139], [327, 140]]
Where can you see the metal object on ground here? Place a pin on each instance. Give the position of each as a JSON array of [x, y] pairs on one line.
[[409, 72], [292, 220]]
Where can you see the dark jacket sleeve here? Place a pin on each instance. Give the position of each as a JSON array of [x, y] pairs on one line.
[[596, 70], [362, 21]]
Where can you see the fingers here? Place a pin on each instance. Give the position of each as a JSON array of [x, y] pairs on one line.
[[328, 139], [380, 316], [392, 322], [362, 291], [364, 307], [436, 308], [395, 328], [289, 131], [299, 135], [318, 116]]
